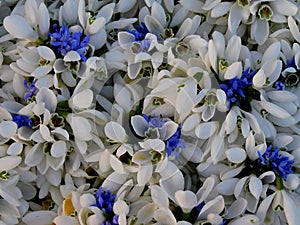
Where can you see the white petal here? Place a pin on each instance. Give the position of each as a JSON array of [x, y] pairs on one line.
[[97, 25], [8, 129], [272, 52], [146, 213], [19, 27], [171, 128], [275, 110], [246, 220], [58, 149], [45, 133], [294, 28], [120, 207], [125, 39], [236, 155], [115, 132], [68, 10], [255, 186], [221, 9], [48, 98], [139, 125], [282, 96], [83, 99], [184, 28], [144, 174], [164, 216], [233, 49], [39, 218], [134, 69], [205, 130], [46, 53], [191, 122], [158, 12], [172, 181], [213, 206], [114, 181], [81, 127], [284, 7], [116, 164], [72, 56], [154, 25], [235, 69], [9, 162], [186, 200], [15, 148], [262, 31], [292, 182], [99, 39], [125, 5], [159, 196], [226, 187], [43, 20]]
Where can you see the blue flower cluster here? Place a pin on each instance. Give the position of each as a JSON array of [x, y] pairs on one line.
[[21, 120], [235, 88], [140, 32], [64, 41], [271, 159], [174, 141], [31, 90], [105, 201]]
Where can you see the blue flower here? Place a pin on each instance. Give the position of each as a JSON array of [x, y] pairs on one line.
[[172, 143], [105, 201], [154, 121], [21, 120], [140, 32], [279, 86], [64, 41], [175, 142], [237, 89], [31, 90], [291, 63], [280, 164]]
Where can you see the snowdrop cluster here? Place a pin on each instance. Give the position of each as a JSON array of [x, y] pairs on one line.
[[139, 112]]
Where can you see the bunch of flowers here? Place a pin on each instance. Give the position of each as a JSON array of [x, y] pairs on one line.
[[135, 112]]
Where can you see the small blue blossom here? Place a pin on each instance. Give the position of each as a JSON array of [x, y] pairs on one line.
[[31, 90], [105, 201], [175, 142], [236, 89], [21, 120], [140, 32], [271, 159], [279, 86], [154, 121], [64, 41], [144, 45], [291, 63]]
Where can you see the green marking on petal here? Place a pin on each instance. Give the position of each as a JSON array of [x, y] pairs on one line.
[[243, 3], [4, 175], [265, 12], [223, 64]]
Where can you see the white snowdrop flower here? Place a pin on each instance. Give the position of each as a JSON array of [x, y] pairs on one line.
[[11, 195], [69, 68], [271, 11], [97, 66], [32, 24], [279, 207], [34, 61]]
